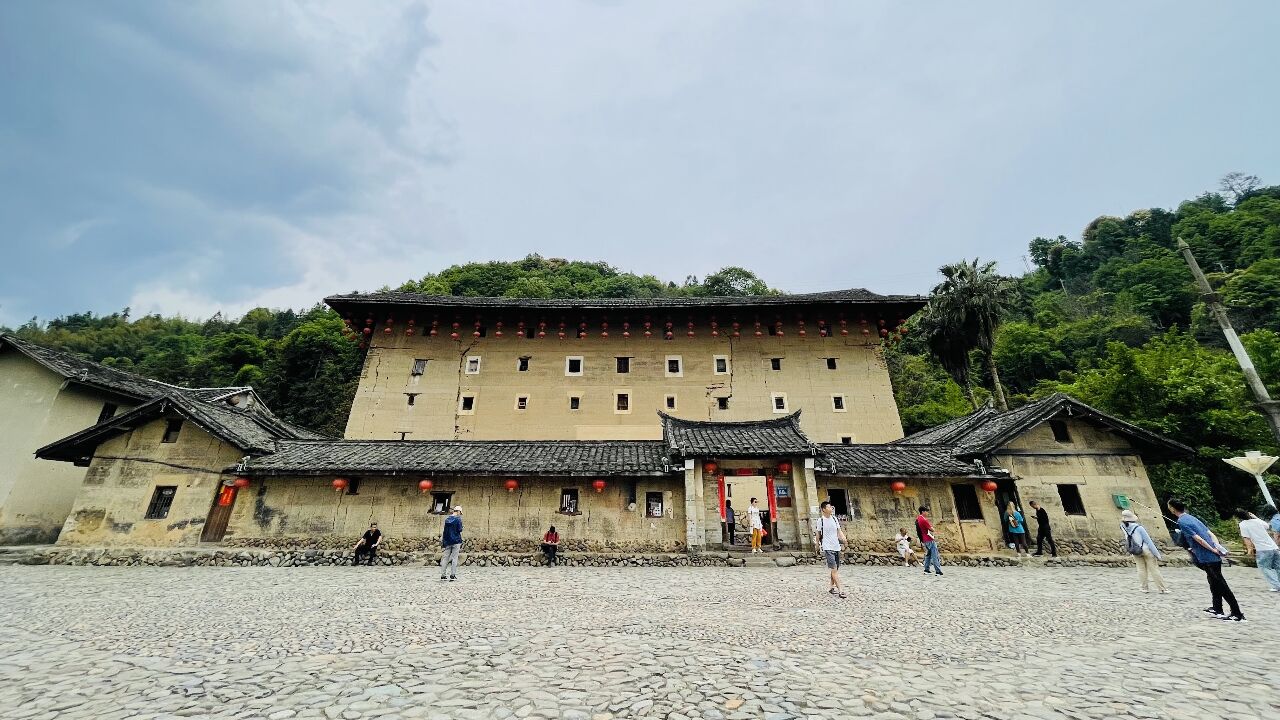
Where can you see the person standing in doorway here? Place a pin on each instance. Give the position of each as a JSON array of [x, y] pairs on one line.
[[757, 527], [1043, 531], [831, 539], [1137, 541], [1259, 543], [730, 531], [924, 530], [451, 541], [1017, 529], [1206, 553]]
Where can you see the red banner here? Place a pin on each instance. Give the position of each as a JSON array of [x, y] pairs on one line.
[[720, 484], [773, 498], [226, 495]]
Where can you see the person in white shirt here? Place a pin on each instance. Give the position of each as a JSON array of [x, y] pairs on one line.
[[757, 527], [903, 541], [1258, 542], [831, 540]]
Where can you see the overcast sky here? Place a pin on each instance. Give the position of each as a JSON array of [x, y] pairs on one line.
[[196, 157]]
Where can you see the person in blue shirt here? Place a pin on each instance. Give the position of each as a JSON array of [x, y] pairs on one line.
[[1274, 525], [451, 542], [1017, 529], [1206, 553]]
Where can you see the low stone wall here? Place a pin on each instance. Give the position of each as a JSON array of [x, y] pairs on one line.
[[469, 545], [311, 557]]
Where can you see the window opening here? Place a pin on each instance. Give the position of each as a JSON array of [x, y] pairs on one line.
[[653, 504], [624, 364], [161, 501], [522, 402], [840, 499], [441, 502], [419, 367], [775, 363], [722, 365], [412, 397], [837, 402], [831, 363], [1060, 432], [671, 402], [1072, 504], [468, 403], [624, 402], [573, 366], [722, 403], [522, 365], [575, 403], [569, 501], [967, 505], [171, 430], [473, 366], [846, 439]]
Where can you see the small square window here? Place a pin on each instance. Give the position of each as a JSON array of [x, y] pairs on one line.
[[624, 365], [967, 505], [722, 403], [775, 363], [171, 430], [653, 504], [467, 404], [161, 501], [419, 367], [1072, 504], [569, 501], [671, 402], [721, 365], [530, 333], [473, 365], [108, 412], [353, 486], [779, 402], [831, 363], [846, 439], [522, 402], [575, 403], [773, 330], [1060, 432], [573, 365], [411, 397], [623, 402], [522, 364], [441, 502], [675, 368], [837, 403]]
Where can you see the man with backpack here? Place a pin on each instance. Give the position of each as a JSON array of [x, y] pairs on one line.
[[1146, 555]]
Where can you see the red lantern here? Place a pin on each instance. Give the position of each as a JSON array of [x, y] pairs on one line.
[[339, 484], [710, 468], [598, 485], [241, 483], [784, 467], [989, 486], [511, 485], [425, 486], [898, 486]]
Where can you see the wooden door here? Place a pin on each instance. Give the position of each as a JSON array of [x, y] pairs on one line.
[[215, 526]]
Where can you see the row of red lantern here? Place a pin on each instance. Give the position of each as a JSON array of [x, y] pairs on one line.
[[425, 486]]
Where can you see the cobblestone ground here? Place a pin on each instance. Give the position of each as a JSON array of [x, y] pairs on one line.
[[104, 643]]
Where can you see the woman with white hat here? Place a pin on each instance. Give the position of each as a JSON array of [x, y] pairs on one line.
[[1145, 553]]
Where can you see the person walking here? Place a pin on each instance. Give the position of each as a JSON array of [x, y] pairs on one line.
[[1259, 543], [757, 527], [730, 530], [1017, 529], [1144, 551], [1206, 553], [924, 530], [1274, 525], [550, 545], [451, 542], [831, 539], [1043, 531]]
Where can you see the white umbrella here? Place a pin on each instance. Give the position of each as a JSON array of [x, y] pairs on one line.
[[1255, 463]]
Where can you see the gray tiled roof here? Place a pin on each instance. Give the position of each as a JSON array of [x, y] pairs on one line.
[[853, 296], [465, 457], [251, 431], [894, 461], [754, 438], [950, 430], [93, 374]]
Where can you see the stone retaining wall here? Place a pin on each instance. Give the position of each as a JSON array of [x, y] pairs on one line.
[[306, 557]]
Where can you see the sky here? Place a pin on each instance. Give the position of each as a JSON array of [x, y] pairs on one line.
[[193, 158]]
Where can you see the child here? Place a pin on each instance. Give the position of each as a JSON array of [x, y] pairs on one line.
[[904, 548]]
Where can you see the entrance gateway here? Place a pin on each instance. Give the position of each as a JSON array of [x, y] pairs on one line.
[[738, 491]]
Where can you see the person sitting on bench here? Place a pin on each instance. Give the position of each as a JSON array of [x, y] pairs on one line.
[[368, 545]]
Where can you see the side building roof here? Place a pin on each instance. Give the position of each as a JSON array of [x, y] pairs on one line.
[[775, 437], [898, 461], [250, 431]]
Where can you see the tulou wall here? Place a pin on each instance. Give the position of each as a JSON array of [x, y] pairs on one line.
[[382, 408]]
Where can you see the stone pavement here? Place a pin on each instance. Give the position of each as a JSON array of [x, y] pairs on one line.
[[144, 642]]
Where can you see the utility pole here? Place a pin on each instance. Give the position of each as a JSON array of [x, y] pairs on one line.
[[1270, 408]]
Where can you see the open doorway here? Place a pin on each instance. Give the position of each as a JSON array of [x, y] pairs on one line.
[[1007, 492], [738, 491]]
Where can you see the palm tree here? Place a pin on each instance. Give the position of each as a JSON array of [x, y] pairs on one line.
[[963, 314]]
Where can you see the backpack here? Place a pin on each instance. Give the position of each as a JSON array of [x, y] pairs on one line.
[[1130, 533]]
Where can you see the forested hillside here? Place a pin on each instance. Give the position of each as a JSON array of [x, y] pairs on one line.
[[1112, 318]]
